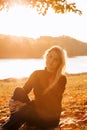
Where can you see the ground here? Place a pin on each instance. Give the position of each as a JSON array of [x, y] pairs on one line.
[[74, 104]]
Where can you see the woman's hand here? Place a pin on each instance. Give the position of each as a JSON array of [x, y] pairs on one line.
[[14, 106]]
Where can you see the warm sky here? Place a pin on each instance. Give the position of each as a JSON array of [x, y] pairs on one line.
[[26, 22]]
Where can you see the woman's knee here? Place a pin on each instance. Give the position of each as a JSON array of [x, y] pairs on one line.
[[20, 95]]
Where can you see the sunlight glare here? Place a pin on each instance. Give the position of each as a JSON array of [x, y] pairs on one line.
[[22, 21], [19, 21], [25, 21]]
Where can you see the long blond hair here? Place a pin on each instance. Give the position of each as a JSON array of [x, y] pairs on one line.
[[61, 70]]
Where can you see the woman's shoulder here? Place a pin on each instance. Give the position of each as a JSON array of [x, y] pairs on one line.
[[39, 72], [42, 73]]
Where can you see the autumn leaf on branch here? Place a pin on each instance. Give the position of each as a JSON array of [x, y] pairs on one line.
[[42, 6]]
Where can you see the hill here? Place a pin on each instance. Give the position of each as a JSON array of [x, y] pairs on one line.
[[24, 47]]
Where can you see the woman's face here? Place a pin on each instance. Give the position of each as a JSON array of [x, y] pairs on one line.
[[52, 61]]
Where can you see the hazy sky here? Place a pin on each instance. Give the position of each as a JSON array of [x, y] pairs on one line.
[[26, 22]]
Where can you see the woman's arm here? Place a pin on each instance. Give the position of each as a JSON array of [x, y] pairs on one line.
[[29, 85], [19, 98]]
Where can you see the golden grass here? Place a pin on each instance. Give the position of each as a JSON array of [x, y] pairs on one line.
[[74, 104]]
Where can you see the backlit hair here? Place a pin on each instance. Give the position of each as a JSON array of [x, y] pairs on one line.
[[61, 69], [61, 53]]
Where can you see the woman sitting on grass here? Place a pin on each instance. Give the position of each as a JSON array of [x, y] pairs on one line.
[[48, 86]]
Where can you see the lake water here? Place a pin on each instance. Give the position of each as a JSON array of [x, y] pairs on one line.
[[18, 68]]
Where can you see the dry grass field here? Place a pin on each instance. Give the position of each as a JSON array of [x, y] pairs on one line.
[[74, 104]]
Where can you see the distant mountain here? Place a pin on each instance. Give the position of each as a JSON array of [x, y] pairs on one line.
[[24, 47], [73, 47]]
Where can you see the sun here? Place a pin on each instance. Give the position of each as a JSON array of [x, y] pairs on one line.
[[16, 21], [20, 21], [23, 21]]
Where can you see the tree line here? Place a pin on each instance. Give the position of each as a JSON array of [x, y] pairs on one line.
[[23, 47]]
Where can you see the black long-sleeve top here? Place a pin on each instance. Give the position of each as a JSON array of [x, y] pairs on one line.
[[47, 105]]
